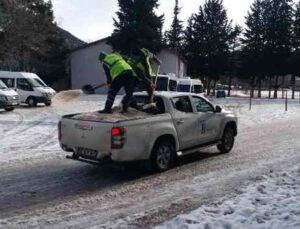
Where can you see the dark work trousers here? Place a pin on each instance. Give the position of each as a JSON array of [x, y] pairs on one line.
[[126, 80], [146, 86]]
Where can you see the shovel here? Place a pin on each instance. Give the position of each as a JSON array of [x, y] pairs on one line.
[[152, 105], [90, 90]]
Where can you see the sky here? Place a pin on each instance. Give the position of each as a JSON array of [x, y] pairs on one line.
[[91, 20]]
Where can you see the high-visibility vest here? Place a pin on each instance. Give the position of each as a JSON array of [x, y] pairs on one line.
[[147, 55], [117, 65]]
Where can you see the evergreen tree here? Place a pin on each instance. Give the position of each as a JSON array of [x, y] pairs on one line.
[[137, 26], [278, 38], [173, 37], [211, 35], [254, 43], [296, 48]]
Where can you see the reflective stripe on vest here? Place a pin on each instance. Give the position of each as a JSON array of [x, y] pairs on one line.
[[147, 56], [117, 65]]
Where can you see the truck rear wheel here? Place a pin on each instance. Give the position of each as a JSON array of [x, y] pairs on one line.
[[48, 103], [163, 156], [227, 141]]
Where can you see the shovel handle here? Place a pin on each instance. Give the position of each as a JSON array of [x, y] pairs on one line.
[[101, 85]]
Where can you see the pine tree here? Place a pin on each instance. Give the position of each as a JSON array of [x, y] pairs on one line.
[[137, 26], [254, 46], [278, 39], [174, 36], [296, 48]]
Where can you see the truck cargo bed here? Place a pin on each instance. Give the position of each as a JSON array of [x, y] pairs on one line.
[[115, 117]]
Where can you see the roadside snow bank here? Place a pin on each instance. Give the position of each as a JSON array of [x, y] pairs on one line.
[[273, 201]]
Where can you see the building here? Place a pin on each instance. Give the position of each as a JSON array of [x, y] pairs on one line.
[[86, 69]]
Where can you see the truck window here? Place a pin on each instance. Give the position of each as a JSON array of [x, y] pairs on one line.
[[10, 82], [202, 105], [139, 101], [24, 85], [182, 104]]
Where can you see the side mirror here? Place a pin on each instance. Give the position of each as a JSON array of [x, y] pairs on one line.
[[218, 109]]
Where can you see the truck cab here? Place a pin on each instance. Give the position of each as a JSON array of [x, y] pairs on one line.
[[9, 99]]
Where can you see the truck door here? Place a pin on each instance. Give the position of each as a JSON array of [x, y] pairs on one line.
[[208, 122], [184, 121]]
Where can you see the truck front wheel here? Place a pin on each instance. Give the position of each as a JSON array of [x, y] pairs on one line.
[[227, 141], [163, 156]]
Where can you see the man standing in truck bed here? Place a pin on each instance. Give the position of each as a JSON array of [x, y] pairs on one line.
[[119, 74], [141, 62]]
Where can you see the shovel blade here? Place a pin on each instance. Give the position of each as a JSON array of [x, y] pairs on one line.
[[88, 89]]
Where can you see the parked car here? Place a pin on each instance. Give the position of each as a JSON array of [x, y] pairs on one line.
[[9, 99], [31, 88], [182, 123]]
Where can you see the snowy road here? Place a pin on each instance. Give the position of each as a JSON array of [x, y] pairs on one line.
[[39, 188]]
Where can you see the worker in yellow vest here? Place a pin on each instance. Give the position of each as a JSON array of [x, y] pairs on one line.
[[141, 62], [119, 74]]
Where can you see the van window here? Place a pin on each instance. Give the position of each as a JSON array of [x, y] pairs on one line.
[[24, 85], [2, 85], [10, 82], [162, 84], [184, 88], [198, 89], [34, 82], [182, 104], [173, 85]]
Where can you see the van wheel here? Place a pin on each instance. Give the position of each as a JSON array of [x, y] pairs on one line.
[[32, 102], [163, 156], [48, 104], [9, 108], [227, 141]]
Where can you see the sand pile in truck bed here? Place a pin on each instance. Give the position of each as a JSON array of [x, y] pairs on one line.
[[66, 96], [114, 117]]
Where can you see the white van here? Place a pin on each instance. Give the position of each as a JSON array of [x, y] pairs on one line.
[[166, 83], [9, 99], [190, 85], [31, 88]]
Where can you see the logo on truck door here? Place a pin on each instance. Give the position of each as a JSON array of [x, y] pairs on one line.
[[84, 125], [202, 126]]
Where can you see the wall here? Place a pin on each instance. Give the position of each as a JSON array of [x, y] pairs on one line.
[[86, 68]]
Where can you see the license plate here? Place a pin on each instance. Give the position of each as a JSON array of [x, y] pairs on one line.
[[87, 153]]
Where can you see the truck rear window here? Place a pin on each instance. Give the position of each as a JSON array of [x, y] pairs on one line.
[[139, 101]]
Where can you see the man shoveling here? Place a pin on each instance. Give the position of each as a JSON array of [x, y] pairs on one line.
[[119, 74], [141, 62]]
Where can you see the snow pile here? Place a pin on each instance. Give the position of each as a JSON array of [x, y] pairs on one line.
[[271, 202], [66, 96]]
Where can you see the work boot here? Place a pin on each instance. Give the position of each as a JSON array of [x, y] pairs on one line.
[[107, 109], [124, 109]]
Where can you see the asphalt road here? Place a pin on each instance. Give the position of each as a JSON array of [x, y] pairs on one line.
[[39, 188]]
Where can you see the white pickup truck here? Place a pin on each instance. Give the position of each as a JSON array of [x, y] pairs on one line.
[[182, 123]]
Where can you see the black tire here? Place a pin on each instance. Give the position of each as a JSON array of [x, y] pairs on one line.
[[227, 141], [163, 156], [32, 102], [9, 108], [48, 103]]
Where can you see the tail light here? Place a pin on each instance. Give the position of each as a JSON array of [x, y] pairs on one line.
[[118, 137], [59, 131]]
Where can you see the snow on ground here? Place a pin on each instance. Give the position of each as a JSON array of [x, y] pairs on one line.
[[272, 201], [52, 192]]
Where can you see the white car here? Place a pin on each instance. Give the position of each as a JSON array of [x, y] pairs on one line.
[[9, 99], [190, 85], [182, 123], [31, 88]]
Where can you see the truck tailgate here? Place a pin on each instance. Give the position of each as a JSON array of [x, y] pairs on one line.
[[92, 139]]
